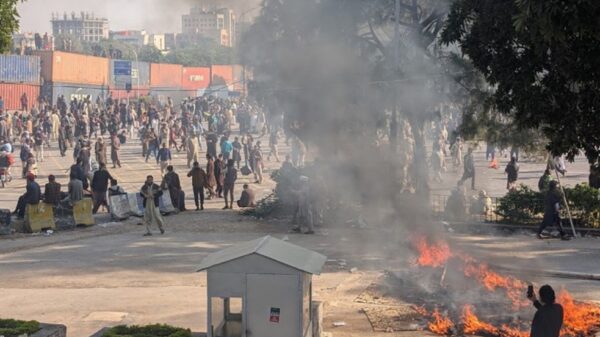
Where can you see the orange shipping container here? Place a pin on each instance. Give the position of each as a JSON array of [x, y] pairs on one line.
[[195, 78], [223, 73], [61, 67], [11, 95], [165, 75]]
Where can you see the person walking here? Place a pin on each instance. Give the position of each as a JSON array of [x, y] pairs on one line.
[[163, 158], [512, 171], [219, 175], [151, 194], [100, 150], [552, 211], [192, 150], [211, 180], [199, 181], [99, 186], [469, 169], [229, 180], [115, 146], [172, 183], [544, 181], [237, 151]]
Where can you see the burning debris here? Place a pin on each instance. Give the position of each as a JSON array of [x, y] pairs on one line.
[[449, 317]]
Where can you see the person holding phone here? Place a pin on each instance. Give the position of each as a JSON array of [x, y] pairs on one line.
[[548, 319]]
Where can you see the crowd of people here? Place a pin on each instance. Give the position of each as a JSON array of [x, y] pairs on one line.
[[227, 130]]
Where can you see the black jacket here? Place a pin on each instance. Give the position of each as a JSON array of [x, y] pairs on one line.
[[100, 181], [547, 321], [157, 194], [33, 193]]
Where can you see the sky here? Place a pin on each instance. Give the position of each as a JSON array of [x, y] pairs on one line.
[[154, 16]]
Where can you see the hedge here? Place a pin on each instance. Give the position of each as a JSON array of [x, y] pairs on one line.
[[155, 330], [13, 328], [524, 205]]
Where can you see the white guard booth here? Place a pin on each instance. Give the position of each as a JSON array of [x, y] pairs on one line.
[[261, 288]]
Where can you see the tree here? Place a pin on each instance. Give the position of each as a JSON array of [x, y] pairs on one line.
[[540, 58], [9, 23], [150, 54]]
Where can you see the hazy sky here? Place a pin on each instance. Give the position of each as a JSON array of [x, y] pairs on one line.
[[158, 16]]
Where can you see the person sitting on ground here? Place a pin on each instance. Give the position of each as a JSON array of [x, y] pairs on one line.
[[548, 319], [115, 189], [247, 197], [52, 194], [32, 196]]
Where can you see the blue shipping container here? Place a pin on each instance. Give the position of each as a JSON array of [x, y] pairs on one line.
[[20, 69], [140, 74], [70, 91]]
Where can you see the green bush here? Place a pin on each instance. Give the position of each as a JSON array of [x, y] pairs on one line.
[[525, 205], [12, 328], [155, 330]]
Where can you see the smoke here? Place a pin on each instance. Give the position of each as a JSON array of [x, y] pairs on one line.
[[337, 93]]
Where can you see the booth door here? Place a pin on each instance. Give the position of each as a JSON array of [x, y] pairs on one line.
[[272, 305]]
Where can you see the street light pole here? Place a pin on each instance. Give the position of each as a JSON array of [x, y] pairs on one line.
[[137, 63], [394, 121]]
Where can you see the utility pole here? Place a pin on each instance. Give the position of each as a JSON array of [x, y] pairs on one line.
[[394, 121]]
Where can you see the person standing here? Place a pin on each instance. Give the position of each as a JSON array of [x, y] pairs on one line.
[[211, 180], [151, 194], [512, 171], [199, 181], [219, 175], [237, 151], [273, 151], [229, 183], [100, 150], [544, 182], [548, 319], [469, 169], [173, 184], [99, 186], [115, 146], [226, 148], [257, 160], [164, 158], [552, 211], [192, 151]]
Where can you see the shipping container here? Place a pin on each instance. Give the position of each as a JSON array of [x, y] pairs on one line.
[[11, 95], [240, 78], [139, 75], [61, 67], [222, 75], [195, 78], [71, 91], [165, 75], [20, 69]]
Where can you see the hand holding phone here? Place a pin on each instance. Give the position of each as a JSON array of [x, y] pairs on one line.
[[530, 293]]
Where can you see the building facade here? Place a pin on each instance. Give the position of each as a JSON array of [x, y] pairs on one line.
[[139, 38], [85, 27], [214, 23]]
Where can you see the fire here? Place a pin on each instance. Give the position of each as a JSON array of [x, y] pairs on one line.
[[440, 324], [580, 319], [432, 255], [492, 281], [472, 325]]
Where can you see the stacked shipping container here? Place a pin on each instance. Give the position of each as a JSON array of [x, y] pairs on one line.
[[19, 75], [79, 76], [73, 75]]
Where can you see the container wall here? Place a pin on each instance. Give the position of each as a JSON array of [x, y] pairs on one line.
[[223, 75], [20, 69], [61, 67], [140, 75], [240, 78], [70, 91], [123, 94], [177, 95], [11, 95], [165, 75], [194, 78]]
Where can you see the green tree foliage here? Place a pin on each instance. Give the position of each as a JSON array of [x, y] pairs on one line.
[[150, 54], [9, 23], [541, 61]]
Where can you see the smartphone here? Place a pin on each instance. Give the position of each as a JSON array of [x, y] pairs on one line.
[[530, 291]]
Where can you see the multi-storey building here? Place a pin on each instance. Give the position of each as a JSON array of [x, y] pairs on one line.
[[85, 27], [213, 23]]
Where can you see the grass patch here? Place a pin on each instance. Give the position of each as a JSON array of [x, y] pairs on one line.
[[154, 330], [13, 328]]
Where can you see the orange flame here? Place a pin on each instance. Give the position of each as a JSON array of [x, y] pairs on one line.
[[580, 319], [492, 281], [441, 324], [472, 324], [432, 255]]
